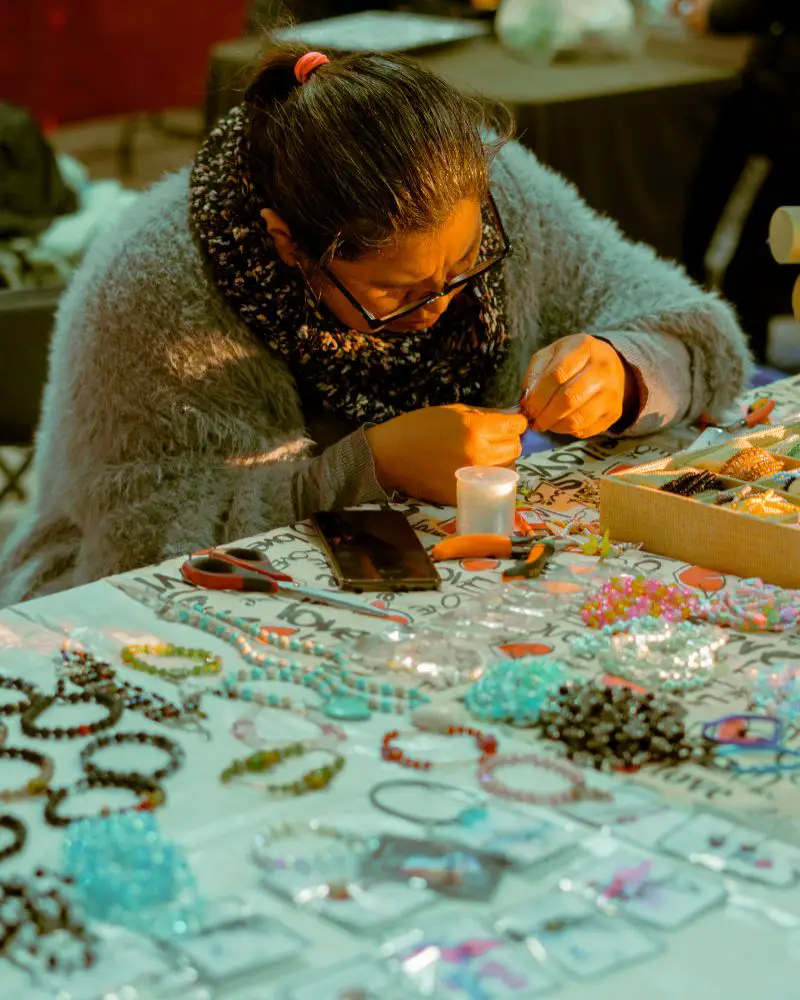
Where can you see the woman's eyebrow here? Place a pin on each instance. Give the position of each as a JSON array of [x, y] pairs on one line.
[[411, 280]]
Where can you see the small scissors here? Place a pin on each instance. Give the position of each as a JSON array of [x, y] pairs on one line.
[[249, 570]]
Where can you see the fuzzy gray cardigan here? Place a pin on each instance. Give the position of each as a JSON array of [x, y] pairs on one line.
[[167, 426]]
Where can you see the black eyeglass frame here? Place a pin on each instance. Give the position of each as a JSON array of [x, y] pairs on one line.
[[376, 323]]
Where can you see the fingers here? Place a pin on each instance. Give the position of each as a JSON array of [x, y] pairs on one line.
[[505, 425], [537, 367], [571, 399], [594, 417], [571, 356]]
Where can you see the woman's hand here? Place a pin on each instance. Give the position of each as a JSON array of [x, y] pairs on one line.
[[578, 386], [417, 454], [695, 14]]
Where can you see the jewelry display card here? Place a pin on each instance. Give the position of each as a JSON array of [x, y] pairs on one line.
[[647, 888], [525, 838], [360, 979], [448, 868], [358, 905], [234, 948], [465, 958], [124, 961], [718, 844], [633, 813], [577, 935]]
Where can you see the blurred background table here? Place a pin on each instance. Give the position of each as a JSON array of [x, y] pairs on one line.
[[629, 133]]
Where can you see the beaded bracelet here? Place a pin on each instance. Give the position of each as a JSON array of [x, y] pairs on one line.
[[295, 831], [751, 464], [265, 760], [41, 703], [175, 753], [578, 789], [245, 730], [38, 922], [151, 796], [29, 691], [209, 663], [36, 786], [475, 808], [19, 832], [94, 675], [487, 746]]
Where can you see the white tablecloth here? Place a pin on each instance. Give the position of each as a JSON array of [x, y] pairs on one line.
[[747, 947]]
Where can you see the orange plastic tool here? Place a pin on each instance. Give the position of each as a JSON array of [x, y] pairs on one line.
[[481, 547]]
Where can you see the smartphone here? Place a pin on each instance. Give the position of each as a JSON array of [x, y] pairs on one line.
[[375, 550]]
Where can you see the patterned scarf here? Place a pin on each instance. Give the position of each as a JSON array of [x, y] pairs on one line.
[[360, 376]]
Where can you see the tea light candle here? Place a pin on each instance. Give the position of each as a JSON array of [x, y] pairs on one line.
[[784, 236], [487, 499]]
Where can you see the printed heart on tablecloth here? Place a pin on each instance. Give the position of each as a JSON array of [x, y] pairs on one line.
[[516, 650], [479, 565], [278, 630], [707, 580]]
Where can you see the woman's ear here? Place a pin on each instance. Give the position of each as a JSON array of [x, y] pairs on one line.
[[281, 237]]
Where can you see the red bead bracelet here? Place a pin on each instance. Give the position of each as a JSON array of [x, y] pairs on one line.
[[487, 745]]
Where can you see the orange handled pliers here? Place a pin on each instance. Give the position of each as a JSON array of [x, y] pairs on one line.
[[481, 547]]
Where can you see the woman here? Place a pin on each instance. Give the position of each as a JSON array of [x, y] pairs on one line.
[[760, 119], [311, 317]]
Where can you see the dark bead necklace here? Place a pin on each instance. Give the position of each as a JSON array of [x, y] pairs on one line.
[[27, 690], [114, 707], [37, 785], [92, 674], [175, 753], [18, 831], [34, 918], [150, 795]]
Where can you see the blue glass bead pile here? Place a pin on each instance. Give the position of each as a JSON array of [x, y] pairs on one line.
[[126, 873], [516, 691], [670, 656]]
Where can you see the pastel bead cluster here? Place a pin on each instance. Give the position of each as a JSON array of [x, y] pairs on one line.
[[755, 606], [126, 873], [628, 597], [515, 691]]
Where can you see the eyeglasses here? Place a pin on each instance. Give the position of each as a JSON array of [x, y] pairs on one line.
[[376, 323]]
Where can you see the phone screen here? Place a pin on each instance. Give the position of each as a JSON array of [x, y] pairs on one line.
[[375, 550]]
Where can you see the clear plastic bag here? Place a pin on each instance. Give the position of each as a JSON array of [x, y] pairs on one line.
[[539, 30]]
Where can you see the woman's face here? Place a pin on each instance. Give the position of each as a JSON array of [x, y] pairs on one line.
[[386, 280]]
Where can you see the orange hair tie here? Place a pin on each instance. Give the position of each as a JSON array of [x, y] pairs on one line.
[[308, 64]]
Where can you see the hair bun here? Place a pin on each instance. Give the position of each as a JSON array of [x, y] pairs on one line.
[[308, 64]]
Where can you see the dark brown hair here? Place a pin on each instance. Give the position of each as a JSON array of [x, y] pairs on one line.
[[371, 146]]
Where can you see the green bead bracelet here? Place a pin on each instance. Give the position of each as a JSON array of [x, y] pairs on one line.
[[266, 760], [132, 657]]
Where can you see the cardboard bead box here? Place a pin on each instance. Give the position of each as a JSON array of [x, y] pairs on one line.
[[692, 529]]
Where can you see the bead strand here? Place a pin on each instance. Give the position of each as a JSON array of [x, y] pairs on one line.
[[291, 644], [487, 747], [328, 680]]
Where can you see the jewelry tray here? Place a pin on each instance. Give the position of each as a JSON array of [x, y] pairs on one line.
[[634, 509]]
